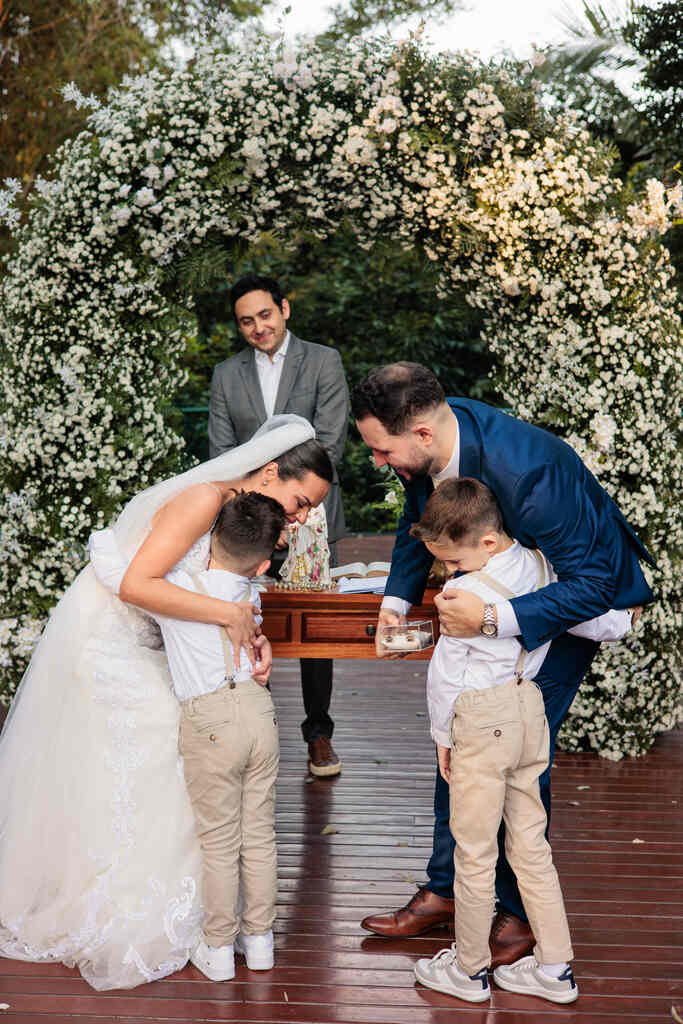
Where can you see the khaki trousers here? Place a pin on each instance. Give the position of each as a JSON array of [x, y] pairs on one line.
[[229, 743], [499, 749]]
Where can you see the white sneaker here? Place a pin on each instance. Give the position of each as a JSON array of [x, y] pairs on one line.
[[258, 949], [443, 974], [216, 962], [527, 978]]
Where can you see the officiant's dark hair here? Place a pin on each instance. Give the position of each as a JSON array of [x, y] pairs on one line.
[[307, 457], [395, 394], [247, 529], [460, 509], [256, 283]]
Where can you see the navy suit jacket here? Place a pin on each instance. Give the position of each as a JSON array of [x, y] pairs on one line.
[[550, 501]]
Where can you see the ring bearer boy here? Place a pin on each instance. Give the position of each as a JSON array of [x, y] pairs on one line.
[[228, 739], [488, 721]]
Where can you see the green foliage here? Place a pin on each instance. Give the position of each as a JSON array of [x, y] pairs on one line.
[[657, 35]]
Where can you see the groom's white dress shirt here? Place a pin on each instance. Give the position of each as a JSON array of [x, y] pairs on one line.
[[479, 662], [194, 650], [269, 372]]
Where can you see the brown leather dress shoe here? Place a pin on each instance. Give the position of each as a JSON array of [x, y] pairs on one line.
[[510, 939], [425, 911], [322, 758]]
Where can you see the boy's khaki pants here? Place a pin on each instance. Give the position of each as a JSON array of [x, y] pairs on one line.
[[229, 743], [499, 749]]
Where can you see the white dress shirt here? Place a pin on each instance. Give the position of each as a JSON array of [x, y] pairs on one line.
[[479, 662], [269, 372], [194, 650]]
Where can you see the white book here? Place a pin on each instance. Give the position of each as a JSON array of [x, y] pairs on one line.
[[360, 569], [362, 585]]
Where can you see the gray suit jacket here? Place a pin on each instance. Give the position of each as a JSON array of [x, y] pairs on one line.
[[312, 385]]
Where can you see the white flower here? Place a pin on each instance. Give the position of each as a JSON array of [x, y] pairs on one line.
[[145, 197], [604, 430]]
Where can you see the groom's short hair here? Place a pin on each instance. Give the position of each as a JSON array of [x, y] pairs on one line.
[[256, 283], [395, 394], [461, 509], [247, 529]]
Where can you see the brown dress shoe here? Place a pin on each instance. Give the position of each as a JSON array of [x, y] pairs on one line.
[[510, 939], [425, 911], [322, 759]]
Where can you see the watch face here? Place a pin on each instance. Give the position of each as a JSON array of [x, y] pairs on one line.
[[489, 629]]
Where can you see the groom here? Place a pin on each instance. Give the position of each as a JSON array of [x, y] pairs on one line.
[[549, 501]]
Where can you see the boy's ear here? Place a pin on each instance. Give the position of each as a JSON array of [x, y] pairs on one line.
[[263, 568], [489, 540]]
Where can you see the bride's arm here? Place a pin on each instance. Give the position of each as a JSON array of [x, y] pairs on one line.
[[175, 528]]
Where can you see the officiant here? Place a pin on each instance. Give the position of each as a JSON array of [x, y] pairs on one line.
[[279, 373]]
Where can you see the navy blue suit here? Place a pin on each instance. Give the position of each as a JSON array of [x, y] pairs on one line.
[[550, 501]]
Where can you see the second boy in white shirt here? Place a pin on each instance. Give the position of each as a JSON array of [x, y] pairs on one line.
[[487, 718]]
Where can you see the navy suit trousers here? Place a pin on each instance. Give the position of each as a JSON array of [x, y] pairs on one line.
[[559, 678]]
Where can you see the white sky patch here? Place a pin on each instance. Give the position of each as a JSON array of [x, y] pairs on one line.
[[486, 27]]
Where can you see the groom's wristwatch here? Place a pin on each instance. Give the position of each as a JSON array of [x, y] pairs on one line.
[[489, 626]]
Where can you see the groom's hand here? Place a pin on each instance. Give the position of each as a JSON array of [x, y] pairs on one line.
[[460, 612], [241, 626], [387, 618]]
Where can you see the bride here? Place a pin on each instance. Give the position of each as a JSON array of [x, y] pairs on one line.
[[99, 864]]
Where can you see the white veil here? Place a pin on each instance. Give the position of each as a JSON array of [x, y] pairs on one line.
[[276, 436], [88, 761]]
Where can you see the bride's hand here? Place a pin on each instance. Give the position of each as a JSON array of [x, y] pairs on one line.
[[264, 664], [241, 626]]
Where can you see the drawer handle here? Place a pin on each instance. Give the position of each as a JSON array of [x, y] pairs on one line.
[[371, 630]]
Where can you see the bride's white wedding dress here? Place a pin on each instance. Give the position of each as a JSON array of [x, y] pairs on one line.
[[99, 864]]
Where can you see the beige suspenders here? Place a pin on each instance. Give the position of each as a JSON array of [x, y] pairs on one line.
[[227, 647], [500, 588]]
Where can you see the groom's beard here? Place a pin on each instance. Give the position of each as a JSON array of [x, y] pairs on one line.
[[420, 469]]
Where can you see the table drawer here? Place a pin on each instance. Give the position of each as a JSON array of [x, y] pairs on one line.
[[336, 627], [277, 626]]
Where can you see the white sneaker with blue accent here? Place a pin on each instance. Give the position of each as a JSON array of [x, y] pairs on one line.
[[528, 978], [443, 974], [258, 950], [215, 962]]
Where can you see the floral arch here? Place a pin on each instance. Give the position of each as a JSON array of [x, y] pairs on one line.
[[178, 170]]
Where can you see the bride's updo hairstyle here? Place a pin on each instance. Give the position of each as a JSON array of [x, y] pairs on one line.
[[307, 457], [396, 394]]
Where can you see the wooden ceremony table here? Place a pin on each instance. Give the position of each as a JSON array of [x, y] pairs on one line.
[[327, 624]]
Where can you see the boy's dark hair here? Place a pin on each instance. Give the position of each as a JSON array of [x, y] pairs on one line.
[[395, 394], [247, 529], [256, 283], [459, 509], [307, 457]]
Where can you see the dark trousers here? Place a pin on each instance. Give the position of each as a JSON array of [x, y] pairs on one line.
[[561, 673], [316, 677]]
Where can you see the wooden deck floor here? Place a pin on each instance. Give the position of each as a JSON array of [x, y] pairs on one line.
[[618, 844]]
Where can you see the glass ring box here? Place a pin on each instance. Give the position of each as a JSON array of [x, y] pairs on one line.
[[411, 636]]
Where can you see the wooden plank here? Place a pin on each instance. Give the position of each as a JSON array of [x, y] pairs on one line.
[[624, 900]]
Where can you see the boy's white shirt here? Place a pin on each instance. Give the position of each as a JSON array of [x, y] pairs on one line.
[[194, 650], [478, 662]]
